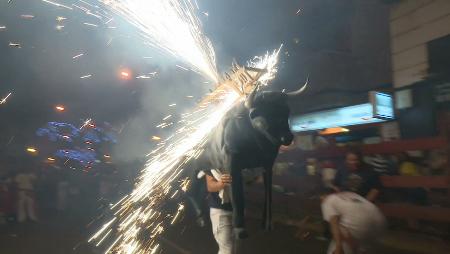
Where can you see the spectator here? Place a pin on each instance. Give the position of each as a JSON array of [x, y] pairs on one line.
[[381, 164], [62, 192], [407, 166], [358, 178], [220, 210], [26, 204], [354, 222], [328, 173]]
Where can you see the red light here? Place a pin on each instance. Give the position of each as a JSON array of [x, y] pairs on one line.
[[125, 74]]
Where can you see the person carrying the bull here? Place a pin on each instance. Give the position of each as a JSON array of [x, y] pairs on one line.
[[221, 211]]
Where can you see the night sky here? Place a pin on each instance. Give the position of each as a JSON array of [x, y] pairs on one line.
[[42, 73]]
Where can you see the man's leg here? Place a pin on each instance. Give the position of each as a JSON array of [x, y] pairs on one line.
[[31, 208], [222, 228]]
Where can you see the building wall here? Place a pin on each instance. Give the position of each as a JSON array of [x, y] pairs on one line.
[[413, 23]]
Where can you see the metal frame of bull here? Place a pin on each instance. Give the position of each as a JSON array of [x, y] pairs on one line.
[[249, 136]]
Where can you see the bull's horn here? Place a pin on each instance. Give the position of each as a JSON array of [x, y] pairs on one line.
[[251, 98], [299, 91]]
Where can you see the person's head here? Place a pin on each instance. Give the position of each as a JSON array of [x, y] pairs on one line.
[[325, 192], [353, 160]]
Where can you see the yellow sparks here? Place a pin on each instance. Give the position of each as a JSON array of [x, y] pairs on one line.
[[172, 27], [31, 150], [3, 101], [60, 108]]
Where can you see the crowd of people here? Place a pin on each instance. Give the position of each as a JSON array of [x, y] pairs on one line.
[[32, 191]]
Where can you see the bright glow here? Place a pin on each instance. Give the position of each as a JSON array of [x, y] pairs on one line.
[[269, 62], [31, 150], [51, 159], [60, 108], [125, 74], [156, 138], [172, 27]]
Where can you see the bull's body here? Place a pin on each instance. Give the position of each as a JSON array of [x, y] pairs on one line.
[[237, 144]]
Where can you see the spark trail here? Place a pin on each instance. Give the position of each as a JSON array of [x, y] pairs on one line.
[[172, 27]]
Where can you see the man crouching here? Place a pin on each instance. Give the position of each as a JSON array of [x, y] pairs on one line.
[[354, 222]]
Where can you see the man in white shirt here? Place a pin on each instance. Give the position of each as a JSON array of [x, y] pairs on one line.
[[26, 199], [221, 211], [354, 221]]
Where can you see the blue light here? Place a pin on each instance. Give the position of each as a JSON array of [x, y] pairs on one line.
[[346, 116]]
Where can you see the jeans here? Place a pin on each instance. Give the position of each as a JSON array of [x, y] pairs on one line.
[[222, 229]]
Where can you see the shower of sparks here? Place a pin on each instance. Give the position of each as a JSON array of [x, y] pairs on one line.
[[57, 4], [143, 212], [172, 27], [181, 67], [3, 101], [269, 62]]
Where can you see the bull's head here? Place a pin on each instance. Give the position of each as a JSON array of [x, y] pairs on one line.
[[269, 114]]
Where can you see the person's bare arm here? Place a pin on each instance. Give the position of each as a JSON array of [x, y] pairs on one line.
[[334, 227], [372, 195], [213, 185]]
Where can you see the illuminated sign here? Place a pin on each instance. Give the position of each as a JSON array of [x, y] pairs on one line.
[[378, 111], [382, 105]]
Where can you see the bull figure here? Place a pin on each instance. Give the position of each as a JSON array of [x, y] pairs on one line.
[[249, 136]]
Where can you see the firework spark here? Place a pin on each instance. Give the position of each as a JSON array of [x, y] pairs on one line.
[[172, 27], [57, 4], [27, 16], [15, 45], [3, 101], [76, 56], [86, 76]]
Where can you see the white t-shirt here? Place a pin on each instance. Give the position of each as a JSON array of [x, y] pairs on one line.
[[25, 181], [359, 216]]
